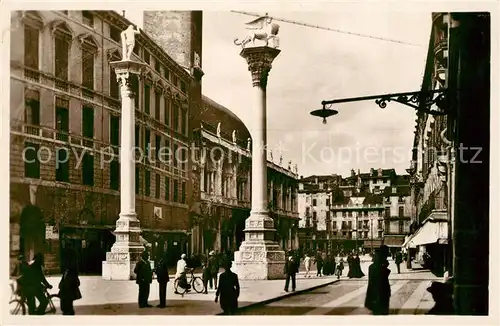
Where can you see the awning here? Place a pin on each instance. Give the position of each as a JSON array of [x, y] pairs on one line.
[[408, 244], [394, 241], [375, 243], [430, 232]]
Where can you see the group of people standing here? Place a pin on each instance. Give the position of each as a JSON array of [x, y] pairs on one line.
[[226, 284]]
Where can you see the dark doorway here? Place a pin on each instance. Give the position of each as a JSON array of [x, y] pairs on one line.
[[32, 233]]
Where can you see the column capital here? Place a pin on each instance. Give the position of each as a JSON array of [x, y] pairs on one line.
[[124, 70], [259, 60]]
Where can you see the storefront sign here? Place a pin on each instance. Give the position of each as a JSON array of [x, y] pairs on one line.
[[51, 232]]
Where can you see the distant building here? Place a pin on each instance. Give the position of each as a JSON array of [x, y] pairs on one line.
[[223, 168], [430, 174], [65, 100], [363, 210]]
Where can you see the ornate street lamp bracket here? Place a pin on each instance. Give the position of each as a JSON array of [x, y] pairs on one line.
[[433, 102]]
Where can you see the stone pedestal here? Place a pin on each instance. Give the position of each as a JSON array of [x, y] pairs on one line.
[[259, 257], [126, 251]]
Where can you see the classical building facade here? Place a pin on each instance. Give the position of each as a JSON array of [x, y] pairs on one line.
[[65, 121], [431, 172], [363, 210], [223, 164]]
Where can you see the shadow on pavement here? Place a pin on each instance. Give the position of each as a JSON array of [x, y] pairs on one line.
[[174, 307], [298, 310]]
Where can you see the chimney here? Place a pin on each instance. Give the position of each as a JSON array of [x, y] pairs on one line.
[[372, 171], [353, 173]]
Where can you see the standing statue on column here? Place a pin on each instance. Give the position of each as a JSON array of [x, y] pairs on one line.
[[249, 144], [281, 160], [263, 29], [128, 42], [271, 154], [234, 136], [218, 130]]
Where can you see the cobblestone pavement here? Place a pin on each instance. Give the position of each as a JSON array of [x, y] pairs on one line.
[[100, 297], [409, 296], [347, 298]]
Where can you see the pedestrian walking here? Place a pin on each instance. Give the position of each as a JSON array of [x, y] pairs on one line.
[[319, 264], [340, 268], [291, 271], [349, 264], [35, 284], [213, 266], [162, 277], [144, 278], [398, 260], [206, 274], [69, 286], [378, 292], [307, 265], [228, 290]]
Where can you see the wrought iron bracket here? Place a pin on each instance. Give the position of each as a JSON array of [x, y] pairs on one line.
[[433, 102]]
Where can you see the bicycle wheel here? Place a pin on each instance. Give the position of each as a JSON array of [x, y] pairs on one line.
[[53, 304], [17, 307], [198, 284], [178, 288]]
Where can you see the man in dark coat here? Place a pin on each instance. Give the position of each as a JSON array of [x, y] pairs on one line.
[[213, 267], [228, 290], [69, 290], [291, 269], [144, 278], [319, 264], [162, 278], [398, 260], [379, 290], [35, 285]]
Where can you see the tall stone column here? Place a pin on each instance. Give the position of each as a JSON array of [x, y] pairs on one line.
[[259, 257], [125, 253]]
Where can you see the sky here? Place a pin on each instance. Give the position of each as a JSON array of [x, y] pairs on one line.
[[316, 65]]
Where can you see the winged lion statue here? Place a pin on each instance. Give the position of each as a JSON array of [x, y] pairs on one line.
[[262, 29]]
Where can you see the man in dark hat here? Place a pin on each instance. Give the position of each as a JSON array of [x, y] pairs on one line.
[[144, 278], [378, 292], [442, 293]]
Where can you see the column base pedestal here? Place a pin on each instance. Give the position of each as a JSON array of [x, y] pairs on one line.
[[126, 252], [259, 257]]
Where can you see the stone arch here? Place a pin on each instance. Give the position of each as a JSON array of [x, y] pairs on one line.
[[87, 40], [86, 216], [59, 26], [32, 231]]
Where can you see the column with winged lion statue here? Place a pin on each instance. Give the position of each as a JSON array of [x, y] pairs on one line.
[[259, 257], [262, 29]]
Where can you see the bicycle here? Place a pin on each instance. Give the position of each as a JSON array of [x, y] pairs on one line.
[[18, 304], [195, 282]]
